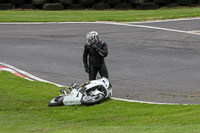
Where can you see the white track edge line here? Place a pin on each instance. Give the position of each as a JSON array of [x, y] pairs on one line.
[[166, 20], [120, 24], [146, 102], [8, 70], [29, 75], [113, 98]]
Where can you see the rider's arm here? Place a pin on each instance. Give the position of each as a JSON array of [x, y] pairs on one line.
[[85, 56], [104, 50]]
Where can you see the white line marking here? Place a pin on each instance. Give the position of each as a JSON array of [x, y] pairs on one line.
[[42, 80], [28, 79], [121, 24], [136, 101], [156, 21], [8, 70], [29, 75], [158, 28], [195, 31]]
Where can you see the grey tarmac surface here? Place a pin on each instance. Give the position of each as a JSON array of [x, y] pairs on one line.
[[144, 64], [179, 24]]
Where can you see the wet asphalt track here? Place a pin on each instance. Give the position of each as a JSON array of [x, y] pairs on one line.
[[144, 64]]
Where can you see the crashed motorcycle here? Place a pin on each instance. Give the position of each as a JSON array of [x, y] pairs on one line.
[[88, 93]]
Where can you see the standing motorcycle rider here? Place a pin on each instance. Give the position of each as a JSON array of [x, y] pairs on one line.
[[96, 50]]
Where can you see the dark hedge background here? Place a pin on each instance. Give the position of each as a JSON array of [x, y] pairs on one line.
[[94, 4]]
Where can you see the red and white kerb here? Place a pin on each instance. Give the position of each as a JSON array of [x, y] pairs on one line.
[[3, 68]]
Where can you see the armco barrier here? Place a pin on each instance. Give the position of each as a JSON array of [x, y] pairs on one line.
[[94, 4]]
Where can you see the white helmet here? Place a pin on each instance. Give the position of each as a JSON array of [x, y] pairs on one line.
[[92, 37]]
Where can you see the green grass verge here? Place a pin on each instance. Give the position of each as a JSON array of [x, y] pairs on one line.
[[24, 108], [91, 16]]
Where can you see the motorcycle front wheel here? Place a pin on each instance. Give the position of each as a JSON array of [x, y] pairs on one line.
[[57, 101], [91, 100]]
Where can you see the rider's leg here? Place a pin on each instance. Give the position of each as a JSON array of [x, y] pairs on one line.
[[103, 71], [92, 73]]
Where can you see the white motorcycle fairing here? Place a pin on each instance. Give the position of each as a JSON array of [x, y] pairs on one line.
[[88, 93], [74, 98]]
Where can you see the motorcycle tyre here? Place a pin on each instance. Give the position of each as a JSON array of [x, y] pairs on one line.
[[57, 101], [97, 101]]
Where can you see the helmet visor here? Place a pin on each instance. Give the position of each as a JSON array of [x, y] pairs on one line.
[[89, 39]]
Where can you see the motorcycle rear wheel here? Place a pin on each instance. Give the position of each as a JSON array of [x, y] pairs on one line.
[[91, 101], [57, 101]]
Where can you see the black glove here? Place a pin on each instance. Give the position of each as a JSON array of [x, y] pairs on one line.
[[96, 47], [87, 68]]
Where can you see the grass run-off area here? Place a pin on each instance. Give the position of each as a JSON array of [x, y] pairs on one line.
[[24, 104], [92, 16], [24, 109]]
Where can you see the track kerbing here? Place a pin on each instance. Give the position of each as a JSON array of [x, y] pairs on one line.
[[28, 76]]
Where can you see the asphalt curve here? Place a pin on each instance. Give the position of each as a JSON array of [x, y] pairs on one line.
[[144, 64]]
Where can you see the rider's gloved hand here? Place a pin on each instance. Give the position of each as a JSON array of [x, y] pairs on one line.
[[62, 91], [86, 68], [96, 47]]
